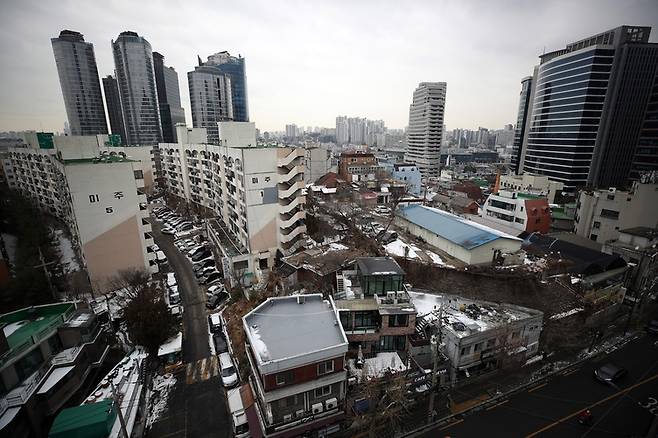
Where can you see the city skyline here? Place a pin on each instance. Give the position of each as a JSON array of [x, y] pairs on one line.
[[483, 67]]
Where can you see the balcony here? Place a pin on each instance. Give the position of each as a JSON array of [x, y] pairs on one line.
[[297, 170], [287, 221], [285, 238], [290, 191], [295, 154]]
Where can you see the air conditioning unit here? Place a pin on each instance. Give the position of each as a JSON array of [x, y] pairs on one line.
[[331, 403], [317, 408], [299, 413], [287, 417], [390, 295]]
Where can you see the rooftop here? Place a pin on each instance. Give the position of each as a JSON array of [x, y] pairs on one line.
[[463, 317], [460, 231], [25, 326], [379, 266], [324, 259], [108, 159], [90, 420], [646, 232], [285, 328]]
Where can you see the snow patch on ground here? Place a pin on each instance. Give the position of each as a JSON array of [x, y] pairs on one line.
[[567, 313], [10, 242], [157, 397], [377, 366], [398, 248], [65, 248], [337, 246], [259, 345]]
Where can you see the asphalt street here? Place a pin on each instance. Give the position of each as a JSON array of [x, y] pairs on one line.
[[550, 409], [197, 406]]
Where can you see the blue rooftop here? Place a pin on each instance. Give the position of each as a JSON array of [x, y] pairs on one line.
[[462, 232]]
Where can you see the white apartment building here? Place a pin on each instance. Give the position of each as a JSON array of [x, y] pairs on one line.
[[97, 191], [424, 136], [600, 214], [517, 210], [252, 194], [317, 163], [533, 184]]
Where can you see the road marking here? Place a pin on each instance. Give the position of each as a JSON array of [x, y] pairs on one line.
[[537, 387], [201, 370], [570, 372], [610, 397], [496, 405], [452, 424]]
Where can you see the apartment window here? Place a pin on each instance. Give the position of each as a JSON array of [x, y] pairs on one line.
[[398, 320], [519, 220], [254, 180], [611, 197], [388, 343], [325, 367], [262, 263], [323, 391], [596, 225], [465, 350], [610, 214], [138, 174], [593, 237], [477, 347], [284, 377]]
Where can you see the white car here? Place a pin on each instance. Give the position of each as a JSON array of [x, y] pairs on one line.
[[227, 369], [171, 279], [155, 247], [160, 257], [167, 230]]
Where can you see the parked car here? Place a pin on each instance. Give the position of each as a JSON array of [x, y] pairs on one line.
[[203, 263], [227, 370], [609, 373], [220, 343], [212, 277], [167, 230], [201, 255], [155, 247], [195, 250], [174, 298], [160, 257], [205, 271], [171, 279], [215, 289], [215, 323], [213, 302]]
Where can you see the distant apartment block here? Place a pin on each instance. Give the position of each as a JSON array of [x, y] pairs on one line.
[[519, 211], [296, 349], [98, 191], [374, 307], [46, 354], [357, 167], [600, 214], [317, 163], [254, 194], [425, 132]]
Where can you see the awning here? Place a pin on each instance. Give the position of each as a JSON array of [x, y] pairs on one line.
[[55, 376]]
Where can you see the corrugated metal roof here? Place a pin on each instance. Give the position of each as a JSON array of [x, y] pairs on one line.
[[462, 232]]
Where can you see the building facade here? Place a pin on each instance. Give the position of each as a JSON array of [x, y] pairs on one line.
[[589, 106], [133, 62], [211, 98], [317, 163], [600, 214], [78, 76], [234, 68], [639, 247], [532, 184], [99, 192], [296, 349], [355, 167], [425, 133], [521, 121], [47, 353], [409, 175], [254, 193], [171, 111], [113, 100], [518, 210]]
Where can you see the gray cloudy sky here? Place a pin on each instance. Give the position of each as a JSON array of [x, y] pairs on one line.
[[309, 61]]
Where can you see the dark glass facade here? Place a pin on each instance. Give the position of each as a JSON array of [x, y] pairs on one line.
[[235, 69], [521, 119], [210, 99], [78, 76], [133, 61], [569, 95], [113, 101]]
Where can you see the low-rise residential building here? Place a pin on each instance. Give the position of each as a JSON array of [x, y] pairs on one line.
[[456, 202], [316, 163], [296, 349], [407, 173], [600, 214], [358, 167], [46, 354], [639, 247], [532, 184], [518, 210], [253, 194], [479, 336], [470, 242], [374, 307], [98, 191]]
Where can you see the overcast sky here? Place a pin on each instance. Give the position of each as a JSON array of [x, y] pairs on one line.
[[309, 61]]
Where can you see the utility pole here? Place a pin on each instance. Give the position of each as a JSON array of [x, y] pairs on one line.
[[46, 273], [124, 431], [435, 367]]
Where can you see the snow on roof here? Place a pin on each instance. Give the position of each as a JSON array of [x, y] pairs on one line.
[[460, 231], [172, 345], [54, 377], [377, 366], [283, 328], [567, 313]]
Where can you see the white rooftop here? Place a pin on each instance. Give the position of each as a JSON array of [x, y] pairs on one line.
[[286, 332]]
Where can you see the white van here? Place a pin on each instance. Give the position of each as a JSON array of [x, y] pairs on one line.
[[227, 370], [238, 414]]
